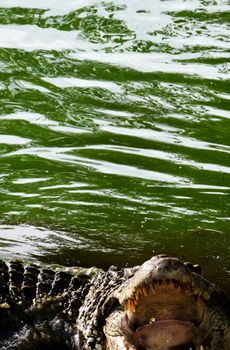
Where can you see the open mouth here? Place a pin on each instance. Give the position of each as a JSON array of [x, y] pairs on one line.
[[165, 314]]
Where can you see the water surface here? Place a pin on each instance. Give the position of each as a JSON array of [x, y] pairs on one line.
[[114, 132]]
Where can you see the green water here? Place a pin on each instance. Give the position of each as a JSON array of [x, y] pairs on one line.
[[115, 132]]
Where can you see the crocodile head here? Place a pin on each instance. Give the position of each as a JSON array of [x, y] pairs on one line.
[[165, 306]]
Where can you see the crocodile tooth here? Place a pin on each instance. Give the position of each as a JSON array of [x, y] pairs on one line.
[[140, 291], [127, 305], [145, 291], [199, 292], [136, 295], [132, 305], [152, 289], [206, 295]]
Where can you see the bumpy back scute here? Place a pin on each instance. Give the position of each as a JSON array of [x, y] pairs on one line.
[[29, 283], [16, 275], [45, 282], [22, 286], [60, 283], [4, 281]]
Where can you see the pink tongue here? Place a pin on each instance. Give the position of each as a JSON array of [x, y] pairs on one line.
[[165, 334]]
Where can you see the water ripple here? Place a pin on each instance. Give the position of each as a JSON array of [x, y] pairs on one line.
[[155, 62], [166, 137], [106, 167], [13, 140]]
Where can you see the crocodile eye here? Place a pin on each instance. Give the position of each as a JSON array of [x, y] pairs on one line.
[[194, 268]]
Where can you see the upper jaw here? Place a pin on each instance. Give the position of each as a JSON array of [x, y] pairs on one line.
[[161, 269]]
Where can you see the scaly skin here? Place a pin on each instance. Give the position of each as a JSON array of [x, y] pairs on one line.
[[164, 304]]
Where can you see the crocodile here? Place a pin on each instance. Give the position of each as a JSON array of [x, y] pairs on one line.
[[164, 304]]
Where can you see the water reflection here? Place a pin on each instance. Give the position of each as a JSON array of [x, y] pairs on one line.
[[18, 241]]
